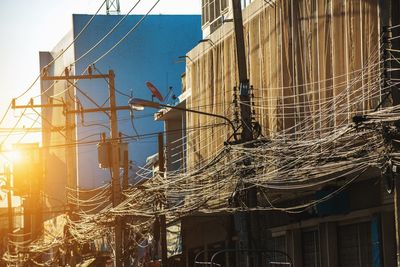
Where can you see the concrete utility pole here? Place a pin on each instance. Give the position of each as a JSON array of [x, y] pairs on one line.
[[247, 130], [244, 84], [162, 218], [390, 17]]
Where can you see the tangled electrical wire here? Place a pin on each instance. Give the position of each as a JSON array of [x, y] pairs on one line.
[[314, 152]]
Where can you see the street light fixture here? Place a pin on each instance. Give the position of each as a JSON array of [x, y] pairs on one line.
[[139, 104]]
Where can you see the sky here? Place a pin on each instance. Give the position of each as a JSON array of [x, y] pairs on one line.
[[27, 27]]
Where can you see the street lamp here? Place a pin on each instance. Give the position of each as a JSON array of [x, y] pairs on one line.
[[140, 104]]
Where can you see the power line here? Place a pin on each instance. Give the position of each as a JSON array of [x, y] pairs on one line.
[[63, 51], [127, 34], [105, 36]]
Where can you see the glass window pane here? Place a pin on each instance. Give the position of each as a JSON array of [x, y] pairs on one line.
[[212, 10]]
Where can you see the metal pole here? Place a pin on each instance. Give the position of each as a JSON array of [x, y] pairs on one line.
[[116, 186], [198, 112]]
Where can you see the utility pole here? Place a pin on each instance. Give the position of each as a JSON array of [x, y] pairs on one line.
[[114, 142], [7, 175], [244, 84], [10, 215], [390, 17], [125, 179], [114, 137], [125, 185], [115, 179], [70, 152], [162, 218], [250, 242]]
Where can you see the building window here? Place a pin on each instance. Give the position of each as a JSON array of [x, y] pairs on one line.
[[204, 13], [354, 245], [245, 3], [212, 10], [310, 244], [224, 4]]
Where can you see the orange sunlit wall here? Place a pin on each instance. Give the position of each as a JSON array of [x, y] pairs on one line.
[[313, 65]]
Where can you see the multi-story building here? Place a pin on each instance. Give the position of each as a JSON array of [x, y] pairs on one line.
[[138, 59], [151, 51], [215, 13], [135, 61], [313, 65]]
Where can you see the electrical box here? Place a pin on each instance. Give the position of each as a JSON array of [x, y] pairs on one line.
[[123, 147], [104, 154]]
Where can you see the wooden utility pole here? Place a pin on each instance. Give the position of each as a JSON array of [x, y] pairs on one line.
[[125, 185], [162, 218], [115, 179], [125, 179], [71, 150], [114, 143], [114, 139]]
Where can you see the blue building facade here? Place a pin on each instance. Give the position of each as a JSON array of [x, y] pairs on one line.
[[149, 53]]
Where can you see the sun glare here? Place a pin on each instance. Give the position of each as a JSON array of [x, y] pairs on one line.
[[14, 155]]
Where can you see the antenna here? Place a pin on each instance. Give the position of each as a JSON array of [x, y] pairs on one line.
[[170, 94], [154, 91], [113, 7]]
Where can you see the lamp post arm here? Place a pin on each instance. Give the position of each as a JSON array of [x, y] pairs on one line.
[[202, 113]]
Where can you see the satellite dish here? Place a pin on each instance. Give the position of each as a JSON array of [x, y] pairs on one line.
[[154, 91]]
